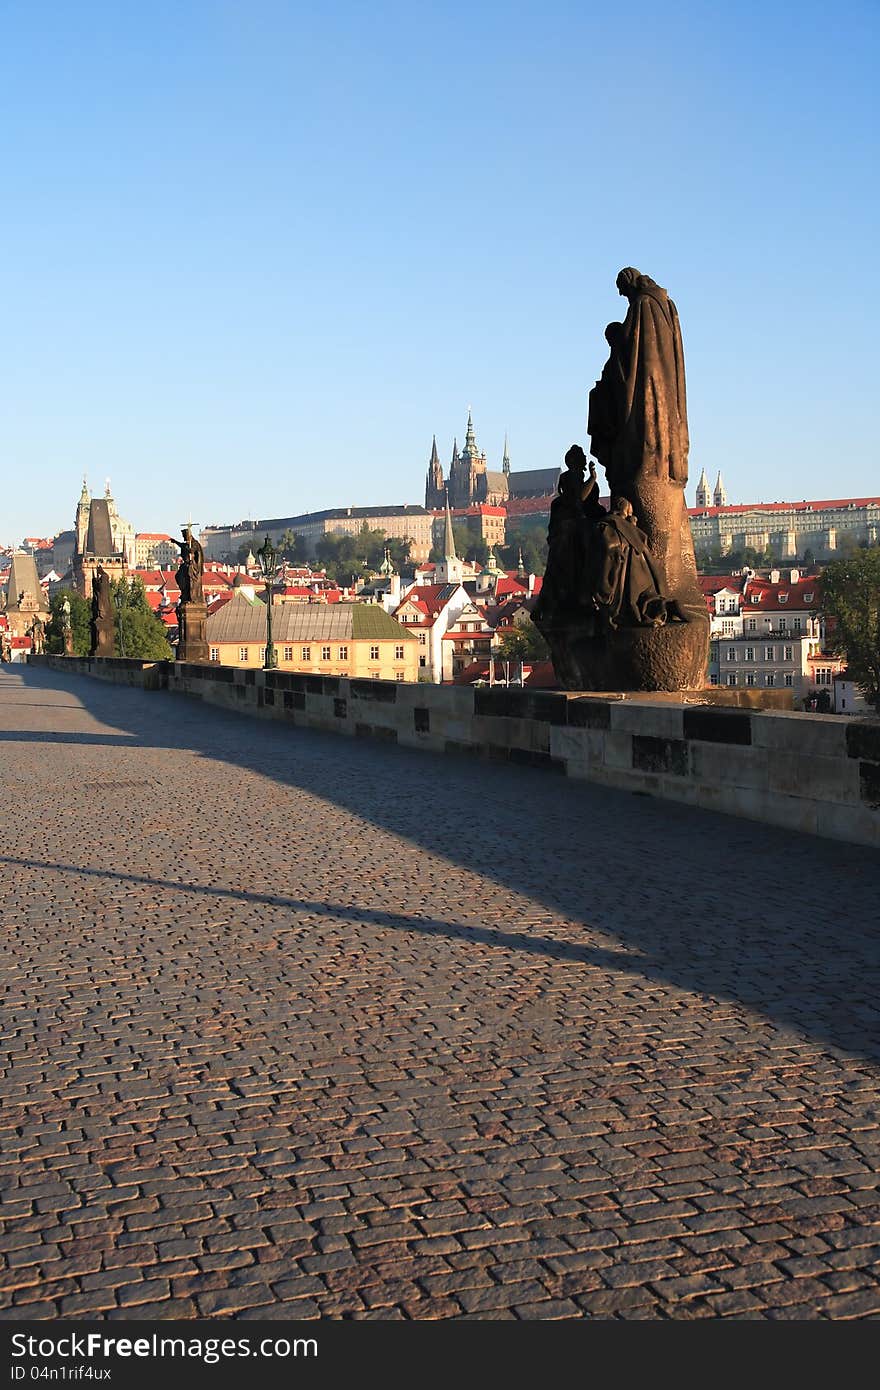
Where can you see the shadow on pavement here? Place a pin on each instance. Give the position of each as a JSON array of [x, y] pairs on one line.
[[784, 924]]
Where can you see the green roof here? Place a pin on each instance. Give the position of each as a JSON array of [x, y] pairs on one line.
[[370, 620]]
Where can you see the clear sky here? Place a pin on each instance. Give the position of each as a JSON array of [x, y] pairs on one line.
[[255, 252]]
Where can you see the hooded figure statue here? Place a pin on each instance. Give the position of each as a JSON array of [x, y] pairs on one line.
[[638, 407]]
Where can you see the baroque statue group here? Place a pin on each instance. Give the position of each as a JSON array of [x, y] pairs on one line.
[[621, 606]]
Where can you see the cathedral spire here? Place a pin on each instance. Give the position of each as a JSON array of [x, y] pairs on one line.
[[720, 492], [704, 497], [505, 462], [448, 537]]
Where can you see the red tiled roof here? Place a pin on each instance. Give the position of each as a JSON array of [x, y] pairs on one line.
[[839, 504], [761, 596]]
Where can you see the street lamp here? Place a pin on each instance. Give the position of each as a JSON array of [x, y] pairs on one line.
[[268, 561]]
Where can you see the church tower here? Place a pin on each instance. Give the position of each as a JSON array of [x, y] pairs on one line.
[[703, 496], [450, 570], [82, 517], [505, 462], [472, 465], [720, 492], [434, 489]]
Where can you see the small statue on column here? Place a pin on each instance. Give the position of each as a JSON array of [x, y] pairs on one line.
[[103, 630], [192, 611]]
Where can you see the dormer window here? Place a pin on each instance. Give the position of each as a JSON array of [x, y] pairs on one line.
[[783, 598], [808, 598]]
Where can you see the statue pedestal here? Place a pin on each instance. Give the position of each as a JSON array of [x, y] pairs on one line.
[[672, 657], [192, 630]]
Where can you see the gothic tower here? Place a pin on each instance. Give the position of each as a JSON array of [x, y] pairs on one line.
[[720, 492], [434, 490], [505, 462], [703, 496]]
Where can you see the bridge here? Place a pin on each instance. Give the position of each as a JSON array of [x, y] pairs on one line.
[[302, 1026]]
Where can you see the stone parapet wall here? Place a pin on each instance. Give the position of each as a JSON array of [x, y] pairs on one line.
[[811, 772]]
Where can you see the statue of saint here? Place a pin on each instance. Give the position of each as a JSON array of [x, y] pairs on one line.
[[638, 407], [102, 607], [565, 588], [191, 568]]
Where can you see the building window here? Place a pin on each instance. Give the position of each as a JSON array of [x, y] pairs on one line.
[[731, 653], [713, 680], [768, 653], [343, 653], [325, 653], [789, 681], [782, 622], [789, 653], [769, 679], [288, 653], [306, 653], [753, 624], [262, 656], [398, 675], [215, 653], [750, 653], [798, 624], [731, 679], [242, 653], [398, 653], [374, 653], [421, 639], [423, 661]]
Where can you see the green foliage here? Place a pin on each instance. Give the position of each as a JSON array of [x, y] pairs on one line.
[[523, 642], [851, 605], [289, 545], [80, 618], [531, 539], [139, 633], [346, 557]]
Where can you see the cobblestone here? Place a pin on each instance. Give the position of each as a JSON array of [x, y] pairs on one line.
[[296, 1025]]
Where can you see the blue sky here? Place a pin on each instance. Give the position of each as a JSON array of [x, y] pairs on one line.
[[256, 253]]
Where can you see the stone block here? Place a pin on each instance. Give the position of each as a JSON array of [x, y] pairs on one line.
[[650, 754], [821, 734], [582, 745], [720, 765], [869, 784], [863, 740], [648, 720], [718, 725], [617, 751], [858, 825], [589, 712], [818, 779]]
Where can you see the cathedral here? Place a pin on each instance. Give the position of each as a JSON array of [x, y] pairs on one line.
[[470, 482]]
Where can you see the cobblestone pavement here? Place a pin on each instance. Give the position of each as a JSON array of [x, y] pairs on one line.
[[390, 1035]]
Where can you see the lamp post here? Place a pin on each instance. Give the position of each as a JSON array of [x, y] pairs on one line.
[[268, 561]]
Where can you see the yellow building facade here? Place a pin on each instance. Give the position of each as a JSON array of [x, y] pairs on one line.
[[357, 640]]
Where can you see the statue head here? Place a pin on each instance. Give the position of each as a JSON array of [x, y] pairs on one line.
[[576, 459], [627, 282], [622, 507]]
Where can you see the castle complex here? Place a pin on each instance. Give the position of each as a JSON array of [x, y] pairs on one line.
[[470, 481]]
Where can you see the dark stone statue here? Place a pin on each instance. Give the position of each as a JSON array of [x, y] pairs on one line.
[[191, 568], [102, 626], [623, 608], [192, 612]]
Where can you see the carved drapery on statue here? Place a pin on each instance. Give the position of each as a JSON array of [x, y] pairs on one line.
[[623, 608], [191, 568], [192, 614], [102, 628]]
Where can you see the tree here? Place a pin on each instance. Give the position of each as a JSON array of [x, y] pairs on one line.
[[532, 541], [851, 605], [289, 545], [80, 618], [523, 642], [139, 633]]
